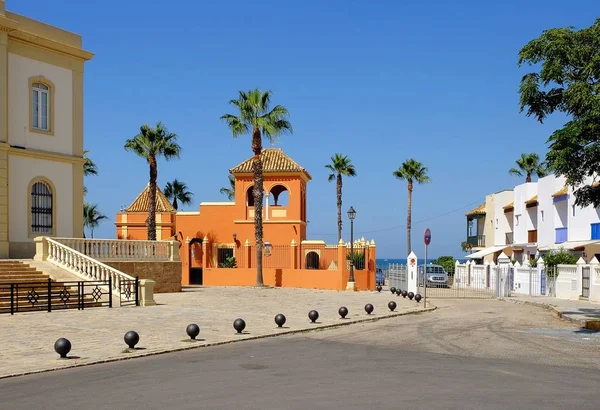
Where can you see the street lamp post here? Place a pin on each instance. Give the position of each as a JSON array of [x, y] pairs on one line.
[[351, 283]]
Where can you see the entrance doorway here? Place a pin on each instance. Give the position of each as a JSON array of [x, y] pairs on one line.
[[194, 272]]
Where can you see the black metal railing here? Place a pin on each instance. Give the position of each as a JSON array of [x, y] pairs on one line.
[[128, 290], [48, 295], [478, 240]]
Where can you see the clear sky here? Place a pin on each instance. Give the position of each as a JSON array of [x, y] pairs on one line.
[[379, 81]]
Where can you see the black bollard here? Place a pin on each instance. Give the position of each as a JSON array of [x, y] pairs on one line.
[[369, 308], [418, 297], [398, 292], [392, 305], [343, 311], [378, 288], [280, 320], [393, 289], [239, 325], [131, 339], [313, 315], [411, 295], [62, 346], [193, 330], [404, 293]]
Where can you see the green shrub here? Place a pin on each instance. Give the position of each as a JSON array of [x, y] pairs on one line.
[[230, 262], [560, 257], [358, 259]]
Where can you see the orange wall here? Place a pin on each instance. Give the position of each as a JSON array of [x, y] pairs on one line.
[[132, 225], [289, 278]]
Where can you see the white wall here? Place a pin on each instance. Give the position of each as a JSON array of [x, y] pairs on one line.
[[580, 223], [21, 170], [522, 222], [501, 224], [490, 220], [553, 213], [20, 69]]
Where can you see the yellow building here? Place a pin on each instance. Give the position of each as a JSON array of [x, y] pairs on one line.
[[41, 133]]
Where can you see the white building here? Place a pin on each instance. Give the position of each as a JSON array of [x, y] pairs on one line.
[[538, 217], [41, 133]]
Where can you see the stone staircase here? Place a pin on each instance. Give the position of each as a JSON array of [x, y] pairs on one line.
[[30, 289]]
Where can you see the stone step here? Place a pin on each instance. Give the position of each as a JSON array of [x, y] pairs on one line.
[[17, 269], [40, 279]]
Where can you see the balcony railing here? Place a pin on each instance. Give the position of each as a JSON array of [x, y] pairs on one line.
[[561, 235], [532, 236], [477, 241], [509, 238]]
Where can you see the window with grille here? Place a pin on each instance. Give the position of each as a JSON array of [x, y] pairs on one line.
[[41, 208], [40, 108]]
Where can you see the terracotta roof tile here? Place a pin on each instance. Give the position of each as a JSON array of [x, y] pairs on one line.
[[562, 192], [142, 202], [509, 206], [532, 201], [480, 210], [274, 160]]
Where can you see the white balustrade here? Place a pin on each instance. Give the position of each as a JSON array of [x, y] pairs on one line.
[[84, 266], [122, 249]]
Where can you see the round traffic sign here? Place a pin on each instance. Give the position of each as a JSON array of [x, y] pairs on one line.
[[427, 236]]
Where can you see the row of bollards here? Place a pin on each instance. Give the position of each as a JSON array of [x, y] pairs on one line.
[[63, 346]]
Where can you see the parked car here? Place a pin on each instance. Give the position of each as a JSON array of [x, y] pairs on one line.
[[437, 277], [379, 277]]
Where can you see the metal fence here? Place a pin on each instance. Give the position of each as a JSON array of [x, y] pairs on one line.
[[396, 276], [461, 282], [48, 295]]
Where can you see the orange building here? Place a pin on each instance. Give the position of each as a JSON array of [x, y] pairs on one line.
[[218, 239]]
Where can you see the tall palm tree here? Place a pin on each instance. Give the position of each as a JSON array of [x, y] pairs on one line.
[[340, 165], [150, 144], [256, 118], [230, 192], [89, 168], [529, 164], [411, 171], [92, 217], [178, 191]]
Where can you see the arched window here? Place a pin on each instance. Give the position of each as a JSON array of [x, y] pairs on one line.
[[312, 260], [41, 103], [278, 196], [41, 208], [250, 196]]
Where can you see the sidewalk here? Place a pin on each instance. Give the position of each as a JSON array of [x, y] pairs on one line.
[[581, 312], [96, 334]]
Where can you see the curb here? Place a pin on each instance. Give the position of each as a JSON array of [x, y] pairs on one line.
[[587, 324], [185, 348]]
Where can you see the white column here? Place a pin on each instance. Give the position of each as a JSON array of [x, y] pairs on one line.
[[412, 272], [503, 272]]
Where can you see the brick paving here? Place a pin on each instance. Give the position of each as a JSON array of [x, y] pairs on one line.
[[27, 339]]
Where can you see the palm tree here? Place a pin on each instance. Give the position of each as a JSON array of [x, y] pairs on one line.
[[256, 118], [340, 165], [150, 144], [89, 168], [178, 191], [92, 217], [230, 192], [529, 164], [411, 171]]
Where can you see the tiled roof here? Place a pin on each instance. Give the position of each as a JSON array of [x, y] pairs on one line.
[[480, 210], [274, 160], [562, 192], [509, 206], [142, 202], [532, 201]]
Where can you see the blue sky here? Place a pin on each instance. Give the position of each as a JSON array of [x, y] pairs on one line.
[[379, 81]]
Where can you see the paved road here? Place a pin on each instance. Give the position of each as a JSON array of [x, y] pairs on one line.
[[466, 355]]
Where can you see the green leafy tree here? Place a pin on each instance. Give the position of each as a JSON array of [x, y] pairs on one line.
[[466, 246], [555, 258], [528, 165], [229, 191], [177, 191], [411, 171], [340, 165], [89, 168], [255, 117], [565, 80], [151, 144], [92, 217], [447, 262]]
